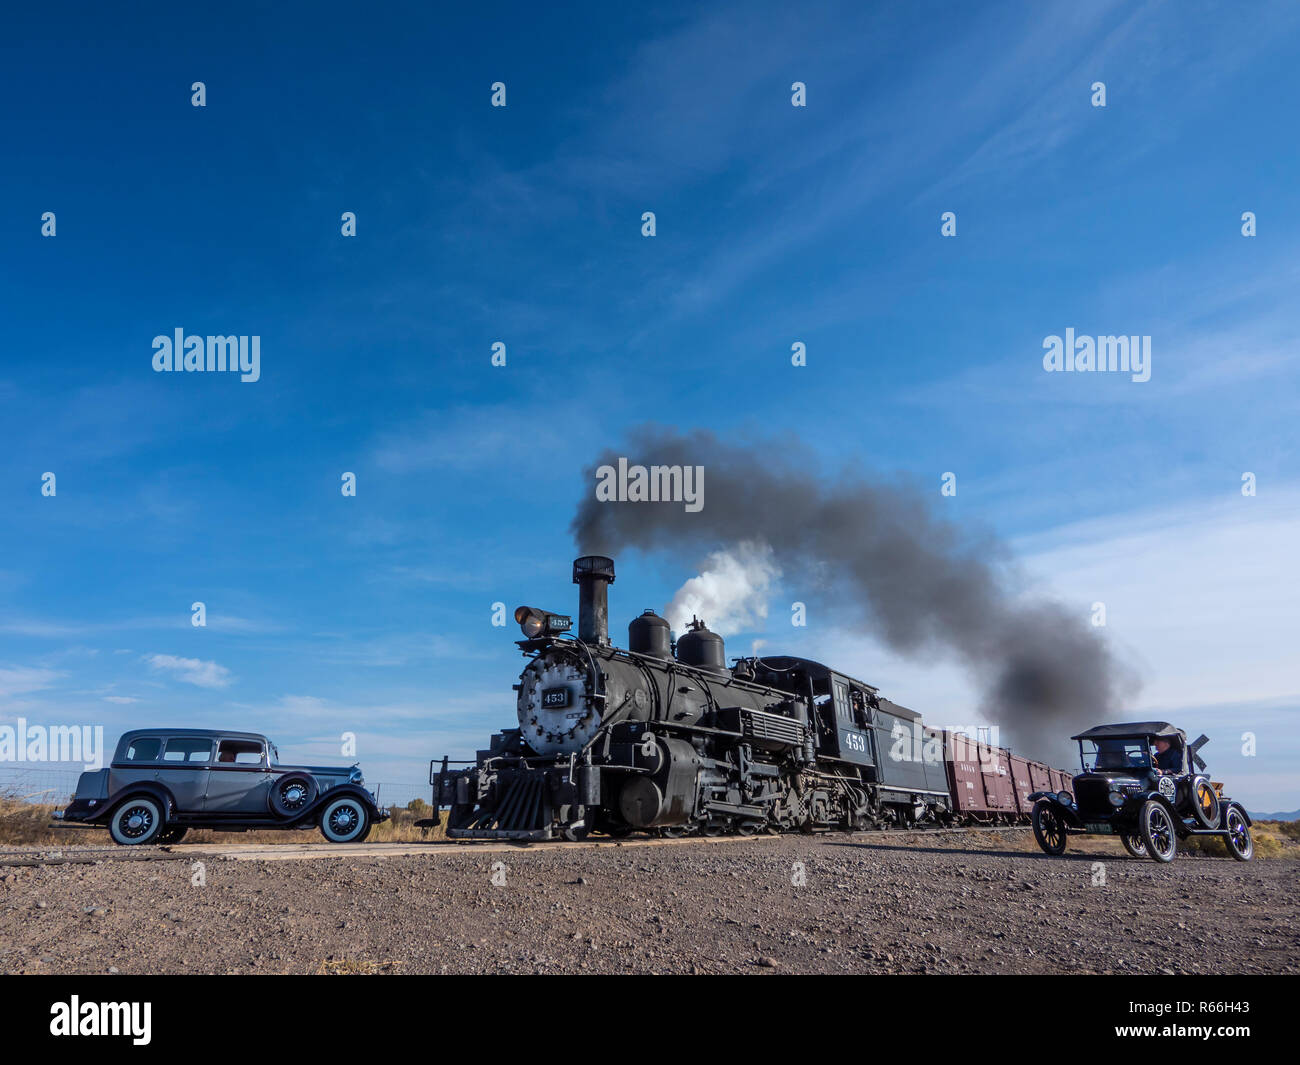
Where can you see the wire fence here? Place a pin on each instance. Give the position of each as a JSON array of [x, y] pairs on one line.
[[41, 784], [403, 795], [54, 786]]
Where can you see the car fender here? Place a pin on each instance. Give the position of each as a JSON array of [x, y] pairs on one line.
[[151, 788], [1180, 822], [1068, 813], [1155, 796], [322, 800], [1232, 804]]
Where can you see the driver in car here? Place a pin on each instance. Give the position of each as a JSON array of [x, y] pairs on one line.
[[1167, 755]]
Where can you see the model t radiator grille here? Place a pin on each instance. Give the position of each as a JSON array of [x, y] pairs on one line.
[[1092, 796]]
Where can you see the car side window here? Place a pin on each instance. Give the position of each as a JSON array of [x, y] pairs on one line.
[[145, 749], [239, 752], [187, 749]]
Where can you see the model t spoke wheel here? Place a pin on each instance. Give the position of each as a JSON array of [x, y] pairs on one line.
[[292, 794], [1240, 845], [1158, 832], [137, 822], [1049, 829], [345, 820], [1134, 844], [1205, 803]]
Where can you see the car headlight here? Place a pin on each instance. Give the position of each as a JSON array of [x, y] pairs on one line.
[[355, 777], [1064, 798], [1118, 798]]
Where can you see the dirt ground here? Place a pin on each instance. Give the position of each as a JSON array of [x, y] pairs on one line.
[[868, 903]]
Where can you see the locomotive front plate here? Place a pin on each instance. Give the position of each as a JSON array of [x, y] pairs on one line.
[[555, 698]]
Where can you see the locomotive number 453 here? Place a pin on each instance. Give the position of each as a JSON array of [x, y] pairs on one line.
[[855, 741], [555, 698]]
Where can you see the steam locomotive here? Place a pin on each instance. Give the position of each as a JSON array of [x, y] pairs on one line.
[[662, 736]]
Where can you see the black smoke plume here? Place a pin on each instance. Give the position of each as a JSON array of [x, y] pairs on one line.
[[879, 550]]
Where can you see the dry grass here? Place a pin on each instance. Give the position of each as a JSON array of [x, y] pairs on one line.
[[1273, 839], [349, 967], [26, 824], [399, 828]]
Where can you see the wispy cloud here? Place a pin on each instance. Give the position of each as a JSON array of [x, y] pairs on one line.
[[192, 670], [21, 680]]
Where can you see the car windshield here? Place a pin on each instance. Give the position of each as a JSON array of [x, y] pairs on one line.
[[275, 753], [1114, 754]]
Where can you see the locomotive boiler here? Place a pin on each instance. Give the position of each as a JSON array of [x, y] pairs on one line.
[[663, 736]]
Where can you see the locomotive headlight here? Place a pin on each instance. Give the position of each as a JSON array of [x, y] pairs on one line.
[[534, 623]]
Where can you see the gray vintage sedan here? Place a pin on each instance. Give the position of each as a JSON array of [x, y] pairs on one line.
[[164, 781]]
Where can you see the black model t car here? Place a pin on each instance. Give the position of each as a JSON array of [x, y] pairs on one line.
[[164, 781], [1143, 782]]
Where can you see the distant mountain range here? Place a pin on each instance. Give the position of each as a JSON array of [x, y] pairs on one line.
[[1294, 815]]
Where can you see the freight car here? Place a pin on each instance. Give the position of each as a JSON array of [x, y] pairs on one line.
[[663, 736], [990, 785]]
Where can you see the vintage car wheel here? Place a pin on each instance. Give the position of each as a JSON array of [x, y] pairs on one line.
[[1049, 829], [1205, 803], [172, 835], [137, 822], [292, 794], [1133, 844], [1158, 832], [1240, 844], [345, 820]]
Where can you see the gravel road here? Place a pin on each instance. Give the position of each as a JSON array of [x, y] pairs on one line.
[[868, 903]]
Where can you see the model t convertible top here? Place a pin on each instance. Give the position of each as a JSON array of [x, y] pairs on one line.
[[1129, 729], [1142, 781]]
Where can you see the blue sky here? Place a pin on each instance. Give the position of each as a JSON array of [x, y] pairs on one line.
[[522, 225]]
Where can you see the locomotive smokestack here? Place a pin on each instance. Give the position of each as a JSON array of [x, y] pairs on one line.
[[593, 574]]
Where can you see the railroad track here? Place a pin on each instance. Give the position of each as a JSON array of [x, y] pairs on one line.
[[269, 852]]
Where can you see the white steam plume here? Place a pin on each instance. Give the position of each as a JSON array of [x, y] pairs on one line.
[[730, 594]]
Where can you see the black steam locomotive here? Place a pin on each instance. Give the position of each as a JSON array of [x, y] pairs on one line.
[[664, 737]]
